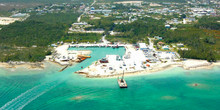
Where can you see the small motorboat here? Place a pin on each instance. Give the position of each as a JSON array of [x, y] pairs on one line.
[[103, 60]]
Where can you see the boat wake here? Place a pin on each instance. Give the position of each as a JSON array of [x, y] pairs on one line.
[[25, 98]]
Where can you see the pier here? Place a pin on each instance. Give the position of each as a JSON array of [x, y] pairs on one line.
[[63, 68], [96, 45], [63, 54]]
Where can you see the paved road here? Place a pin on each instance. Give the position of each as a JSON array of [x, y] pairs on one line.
[[104, 40], [151, 44], [86, 9]]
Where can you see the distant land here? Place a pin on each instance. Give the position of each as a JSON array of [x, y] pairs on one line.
[[181, 1], [61, 1], [169, 24], [165, 52], [42, 1]]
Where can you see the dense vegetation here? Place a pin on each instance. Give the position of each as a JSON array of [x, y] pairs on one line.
[[82, 37], [138, 30], [4, 13], [37, 30], [17, 39], [30, 33], [29, 40], [212, 23], [178, 1], [54, 18], [43, 1], [198, 42], [202, 42], [31, 54], [105, 23], [122, 8]]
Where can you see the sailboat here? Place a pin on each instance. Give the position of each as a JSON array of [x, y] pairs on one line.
[[121, 82]]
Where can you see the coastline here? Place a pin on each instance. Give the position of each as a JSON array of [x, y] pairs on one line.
[[161, 67], [26, 65], [66, 57], [151, 71]]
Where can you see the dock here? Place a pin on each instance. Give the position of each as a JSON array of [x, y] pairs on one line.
[[96, 45], [63, 68]]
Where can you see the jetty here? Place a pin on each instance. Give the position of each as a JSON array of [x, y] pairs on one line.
[[96, 45], [63, 68]]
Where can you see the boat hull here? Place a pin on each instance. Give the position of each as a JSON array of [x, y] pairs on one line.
[[122, 84]]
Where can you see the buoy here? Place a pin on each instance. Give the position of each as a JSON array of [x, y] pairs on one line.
[[195, 84], [81, 66]]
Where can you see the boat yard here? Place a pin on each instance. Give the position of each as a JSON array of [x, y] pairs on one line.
[[136, 59]]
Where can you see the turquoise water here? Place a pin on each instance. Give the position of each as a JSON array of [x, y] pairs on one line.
[[53, 90]]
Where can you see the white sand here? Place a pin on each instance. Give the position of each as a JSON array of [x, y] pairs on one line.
[[98, 71], [130, 66], [190, 63], [27, 65]]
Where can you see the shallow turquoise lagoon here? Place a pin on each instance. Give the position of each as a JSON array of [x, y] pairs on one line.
[[52, 90]]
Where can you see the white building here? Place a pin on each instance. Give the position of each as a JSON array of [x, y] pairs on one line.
[[7, 20], [142, 46], [180, 45], [166, 47], [81, 23], [134, 3]]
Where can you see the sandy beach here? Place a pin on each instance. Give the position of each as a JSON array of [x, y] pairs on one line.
[[134, 65], [63, 56], [27, 65], [189, 64], [130, 64]]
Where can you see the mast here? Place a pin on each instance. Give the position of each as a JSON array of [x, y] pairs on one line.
[[123, 75]]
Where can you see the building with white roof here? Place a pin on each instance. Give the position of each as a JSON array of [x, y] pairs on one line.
[[142, 46]]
